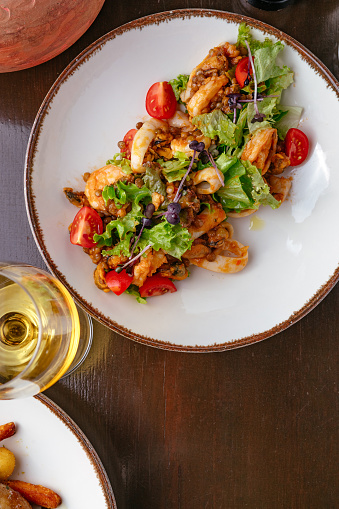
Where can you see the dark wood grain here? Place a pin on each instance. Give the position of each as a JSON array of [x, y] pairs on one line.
[[251, 428]]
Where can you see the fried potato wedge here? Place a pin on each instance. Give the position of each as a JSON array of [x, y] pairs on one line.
[[36, 494], [7, 430]]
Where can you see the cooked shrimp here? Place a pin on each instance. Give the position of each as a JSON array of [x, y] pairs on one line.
[[115, 260], [279, 187], [214, 60], [260, 149], [232, 259], [181, 120], [187, 94], [207, 181], [188, 133], [206, 220], [147, 266], [142, 140], [105, 176], [205, 94]]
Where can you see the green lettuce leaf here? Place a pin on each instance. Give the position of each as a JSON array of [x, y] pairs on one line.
[[265, 54], [230, 166], [264, 62], [174, 239], [179, 84], [244, 34], [276, 85], [134, 291], [244, 186], [122, 248], [218, 124], [233, 195], [153, 181], [175, 168], [241, 125], [119, 228], [268, 107], [291, 118], [121, 161], [123, 193], [260, 190]]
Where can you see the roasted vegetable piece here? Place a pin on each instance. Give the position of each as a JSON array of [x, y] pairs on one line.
[[39, 495], [10, 499], [7, 430]]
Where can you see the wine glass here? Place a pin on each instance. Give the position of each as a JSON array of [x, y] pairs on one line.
[[43, 334]]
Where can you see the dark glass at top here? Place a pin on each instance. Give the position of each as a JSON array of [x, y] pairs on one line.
[[270, 5]]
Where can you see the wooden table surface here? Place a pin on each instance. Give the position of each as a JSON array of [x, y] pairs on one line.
[[254, 427]]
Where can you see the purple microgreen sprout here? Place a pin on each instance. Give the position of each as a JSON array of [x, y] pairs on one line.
[[220, 175], [146, 222], [258, 117], [132, 260], [137, 238], [196, 147], [233, 103], [259, 98]]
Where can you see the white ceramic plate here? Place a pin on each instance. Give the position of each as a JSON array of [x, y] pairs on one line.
[[52, 451], [293, 258]]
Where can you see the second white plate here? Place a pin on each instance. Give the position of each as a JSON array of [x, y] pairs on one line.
[[52, 451]]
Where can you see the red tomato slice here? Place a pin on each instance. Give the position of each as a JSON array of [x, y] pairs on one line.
[[128, 141], [241, 71], [86, 223], [156, 285], [118, 282], [296, 146], [160, 100]]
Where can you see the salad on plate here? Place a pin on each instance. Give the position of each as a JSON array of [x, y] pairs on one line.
[[215, 146]]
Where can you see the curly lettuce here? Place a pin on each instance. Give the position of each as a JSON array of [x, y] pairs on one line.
[[179, 84], [120, 160], [123, 193], [175, 168]]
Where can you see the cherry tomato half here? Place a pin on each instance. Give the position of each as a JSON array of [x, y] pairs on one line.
[[86, 223], [156, 285], [241, 71], [160, 100], [118, 282], [128, 141], [296, 146]]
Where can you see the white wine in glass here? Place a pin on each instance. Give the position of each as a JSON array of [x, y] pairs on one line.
[[40, 335]]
